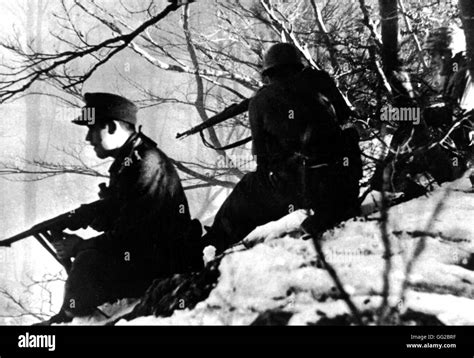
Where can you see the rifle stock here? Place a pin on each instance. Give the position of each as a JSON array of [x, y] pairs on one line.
[[231, 111]]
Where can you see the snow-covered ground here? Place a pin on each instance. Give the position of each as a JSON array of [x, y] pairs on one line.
[[282, 272], [109, 312]]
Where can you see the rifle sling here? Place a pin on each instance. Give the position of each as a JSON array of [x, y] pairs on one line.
[[42, 241], [225, 147]]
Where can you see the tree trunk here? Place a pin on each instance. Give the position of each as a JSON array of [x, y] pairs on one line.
[[400, 83], [32, 130], [467, 16], [389, 18], [33, 112]]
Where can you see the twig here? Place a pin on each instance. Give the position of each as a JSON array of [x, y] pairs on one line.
[[21, 306], [384, 308], [422, 242], [205, 178], [378, 42], [412, 33], [116, 44], [180, 67], [370, 25], [326, 35], [200, 100], [332, 272]]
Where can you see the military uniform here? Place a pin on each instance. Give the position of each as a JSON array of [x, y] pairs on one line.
[[147, 229], [300, 151]]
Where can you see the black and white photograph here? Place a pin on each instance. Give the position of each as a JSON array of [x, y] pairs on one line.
[[237, 163]]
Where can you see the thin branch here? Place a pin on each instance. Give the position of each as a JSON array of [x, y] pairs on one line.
[[370, 25], [200, 100], [326, 35], [24, 311], [332, 272], [422, 242], [205, 178], [387, 256], [412, 33], [117, 44]]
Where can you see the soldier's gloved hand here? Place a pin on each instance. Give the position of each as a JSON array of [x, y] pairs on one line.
[[103, 190], [67, 247]]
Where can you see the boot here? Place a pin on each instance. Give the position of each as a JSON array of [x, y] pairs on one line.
[[61, 317]]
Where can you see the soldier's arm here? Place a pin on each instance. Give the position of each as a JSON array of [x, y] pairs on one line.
[[104, 214], [328, 87], [256, 127], [144, 198]]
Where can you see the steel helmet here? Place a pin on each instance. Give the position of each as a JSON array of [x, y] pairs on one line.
[[281, 54]]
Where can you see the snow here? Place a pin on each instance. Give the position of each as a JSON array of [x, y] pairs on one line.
[[113, 311], [208, 254], [277, 269], [449, 309]]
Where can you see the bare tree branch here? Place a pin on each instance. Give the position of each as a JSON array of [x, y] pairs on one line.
[[46, 63], [412, 33], [335, 277], [326, 35]]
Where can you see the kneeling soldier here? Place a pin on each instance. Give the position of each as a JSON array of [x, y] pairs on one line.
[[144, 216]]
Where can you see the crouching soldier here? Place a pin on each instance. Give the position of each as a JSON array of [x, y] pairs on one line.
[[144, 216], [304, 159]]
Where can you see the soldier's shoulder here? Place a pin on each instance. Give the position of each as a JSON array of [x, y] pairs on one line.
[[315, 75], [262, 90], [148, 153], [263, 93]]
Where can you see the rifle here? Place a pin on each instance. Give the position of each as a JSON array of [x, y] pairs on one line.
[[231, 111], [73, 220]]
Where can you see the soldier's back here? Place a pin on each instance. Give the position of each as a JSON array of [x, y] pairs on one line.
[[285, 110]]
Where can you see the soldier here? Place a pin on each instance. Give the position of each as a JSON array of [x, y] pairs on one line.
[[452, 92], [447, 47], [147, 229], [304, 160]]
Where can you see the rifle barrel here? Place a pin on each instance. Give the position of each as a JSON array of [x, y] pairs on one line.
[[18, 237], [231, 111], [61, 222]]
